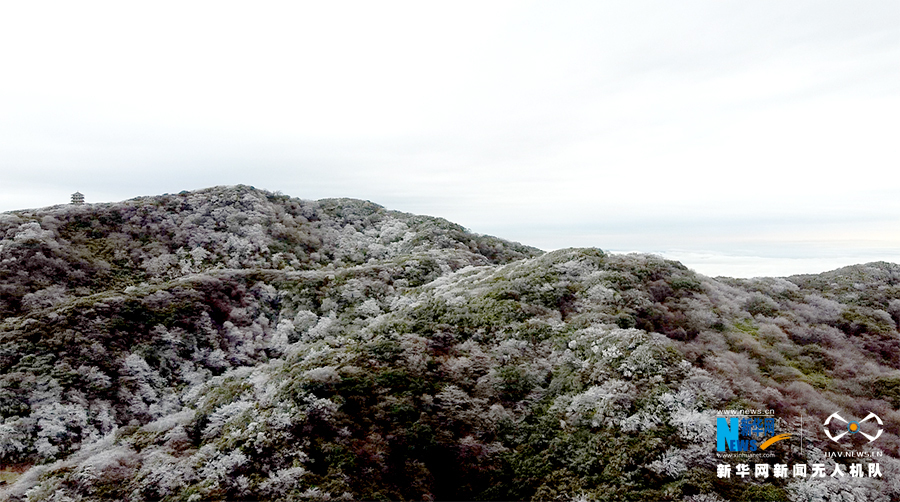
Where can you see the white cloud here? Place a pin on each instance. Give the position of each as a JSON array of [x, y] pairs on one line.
[[582, 116]]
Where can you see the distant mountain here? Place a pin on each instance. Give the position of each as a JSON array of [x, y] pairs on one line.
[[234, 344]]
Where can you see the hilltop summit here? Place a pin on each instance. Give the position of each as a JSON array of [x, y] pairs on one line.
[[82, 249]]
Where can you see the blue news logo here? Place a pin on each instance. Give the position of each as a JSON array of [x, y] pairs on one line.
[[730, 431]]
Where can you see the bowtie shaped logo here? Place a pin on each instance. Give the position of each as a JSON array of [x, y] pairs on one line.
[[852, 427]]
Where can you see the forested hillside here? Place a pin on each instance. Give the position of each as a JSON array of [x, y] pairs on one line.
[[234, 344]]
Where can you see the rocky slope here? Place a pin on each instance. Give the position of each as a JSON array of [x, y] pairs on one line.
[[235, 344]]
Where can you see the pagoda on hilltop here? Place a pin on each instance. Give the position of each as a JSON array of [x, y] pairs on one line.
[[77, 198]]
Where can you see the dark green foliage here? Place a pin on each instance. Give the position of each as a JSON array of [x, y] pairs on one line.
[[763, 493], [814, 359], [514, 384], [760, 305], [660, 319], [857, 321], [401, 383], [626, 321], [14, 390], [887, 388]]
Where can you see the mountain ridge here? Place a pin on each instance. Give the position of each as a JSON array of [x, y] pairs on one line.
[[358, 353], [243, 228]]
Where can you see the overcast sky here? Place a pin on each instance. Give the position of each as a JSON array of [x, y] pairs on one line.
[[742, 138]]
